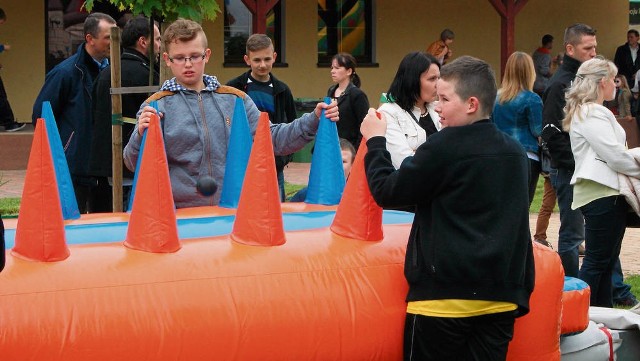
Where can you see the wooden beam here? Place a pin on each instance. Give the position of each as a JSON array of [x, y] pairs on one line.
[[507, 9], [259, 10], [116, 122], [499, 6]]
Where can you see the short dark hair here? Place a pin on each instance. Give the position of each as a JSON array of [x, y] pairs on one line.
[[347, 61], [133, 30], [258, 42], [473, 78], [634, 32], [3, 15], [546, 39], [348, 147], [405, 87], [574, 33], [447, 34], [92, 23]]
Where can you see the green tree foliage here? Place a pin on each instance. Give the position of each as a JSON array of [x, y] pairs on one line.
[[168, 10]]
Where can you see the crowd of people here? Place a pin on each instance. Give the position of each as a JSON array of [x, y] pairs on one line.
[[555, 116]]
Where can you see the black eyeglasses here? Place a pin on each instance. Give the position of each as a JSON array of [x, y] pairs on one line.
[[194, 59]]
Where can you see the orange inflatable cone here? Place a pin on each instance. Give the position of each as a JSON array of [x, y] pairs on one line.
[[152, 225], [259, 215], [40, 231], [358, 215]]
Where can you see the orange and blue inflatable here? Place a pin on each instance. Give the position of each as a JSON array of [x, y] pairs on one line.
[[267, 281]]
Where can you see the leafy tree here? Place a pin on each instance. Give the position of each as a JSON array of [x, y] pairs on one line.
[[168, 10]]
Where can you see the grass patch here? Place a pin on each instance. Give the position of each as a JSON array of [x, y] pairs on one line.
[[9, 207], [634, 282], [291, 189]]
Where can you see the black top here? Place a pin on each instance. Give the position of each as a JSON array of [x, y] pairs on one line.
[[134, 72], [553, 113], [353, 106], [284, 107], [470, 237]]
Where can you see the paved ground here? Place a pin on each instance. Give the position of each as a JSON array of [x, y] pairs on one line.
[[11, 184]]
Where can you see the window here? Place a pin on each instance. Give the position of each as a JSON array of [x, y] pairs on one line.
[[240, 21], [345, 26]]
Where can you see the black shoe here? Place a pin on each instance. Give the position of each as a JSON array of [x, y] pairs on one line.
[[544, 243], [629, 302], [14, 127]]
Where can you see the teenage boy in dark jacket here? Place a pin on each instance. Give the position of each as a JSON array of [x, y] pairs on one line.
[[469, 260], [270, 94]]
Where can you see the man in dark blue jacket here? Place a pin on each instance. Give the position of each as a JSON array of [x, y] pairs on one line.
[[68, 88]]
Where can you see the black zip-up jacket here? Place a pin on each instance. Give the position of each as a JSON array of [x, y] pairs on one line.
[[553, 99], [470, 236], [353, 106], [134, 72], [285, 107]]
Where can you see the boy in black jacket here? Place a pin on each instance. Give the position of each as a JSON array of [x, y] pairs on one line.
[[469, 261], [270, 94]]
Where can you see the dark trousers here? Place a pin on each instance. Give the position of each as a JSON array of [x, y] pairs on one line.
[[82, 187], [478, 338], [534, 173], [6, 114], [605, 223], [101, 199], [571, 233]]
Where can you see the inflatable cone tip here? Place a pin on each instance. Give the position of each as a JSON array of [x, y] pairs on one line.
[[259, 215], [152, 224], [40, 234], [358, 215]]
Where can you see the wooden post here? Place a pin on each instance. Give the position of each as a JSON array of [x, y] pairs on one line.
[[116, 121], [259, 10], [507, 9]]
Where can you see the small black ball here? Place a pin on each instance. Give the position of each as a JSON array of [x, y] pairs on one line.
[[206, 185]]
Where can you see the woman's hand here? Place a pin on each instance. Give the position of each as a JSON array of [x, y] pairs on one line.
[[145, 118], [330, 110]]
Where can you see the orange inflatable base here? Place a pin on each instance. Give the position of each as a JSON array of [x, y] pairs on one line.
[[317, 297]]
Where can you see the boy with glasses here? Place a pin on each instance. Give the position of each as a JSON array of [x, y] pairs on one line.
[[196, 113]]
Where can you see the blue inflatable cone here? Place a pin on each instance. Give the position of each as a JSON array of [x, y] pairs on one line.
[[66, 193], [238, 153], [326, 177]]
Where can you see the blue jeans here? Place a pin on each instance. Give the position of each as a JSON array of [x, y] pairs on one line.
[[571, 233], [605, 224], [621, 290], [281, 185]]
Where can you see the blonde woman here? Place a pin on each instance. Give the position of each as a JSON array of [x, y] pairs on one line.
[[518, 110], [624, 97], [598, 145]]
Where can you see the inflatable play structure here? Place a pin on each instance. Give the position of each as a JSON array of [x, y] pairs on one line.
[[259, 281]]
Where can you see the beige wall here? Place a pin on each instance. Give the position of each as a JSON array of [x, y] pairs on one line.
[[475, 22]]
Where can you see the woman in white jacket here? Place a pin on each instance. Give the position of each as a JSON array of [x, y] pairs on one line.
[[598, 145], [409, 105]]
